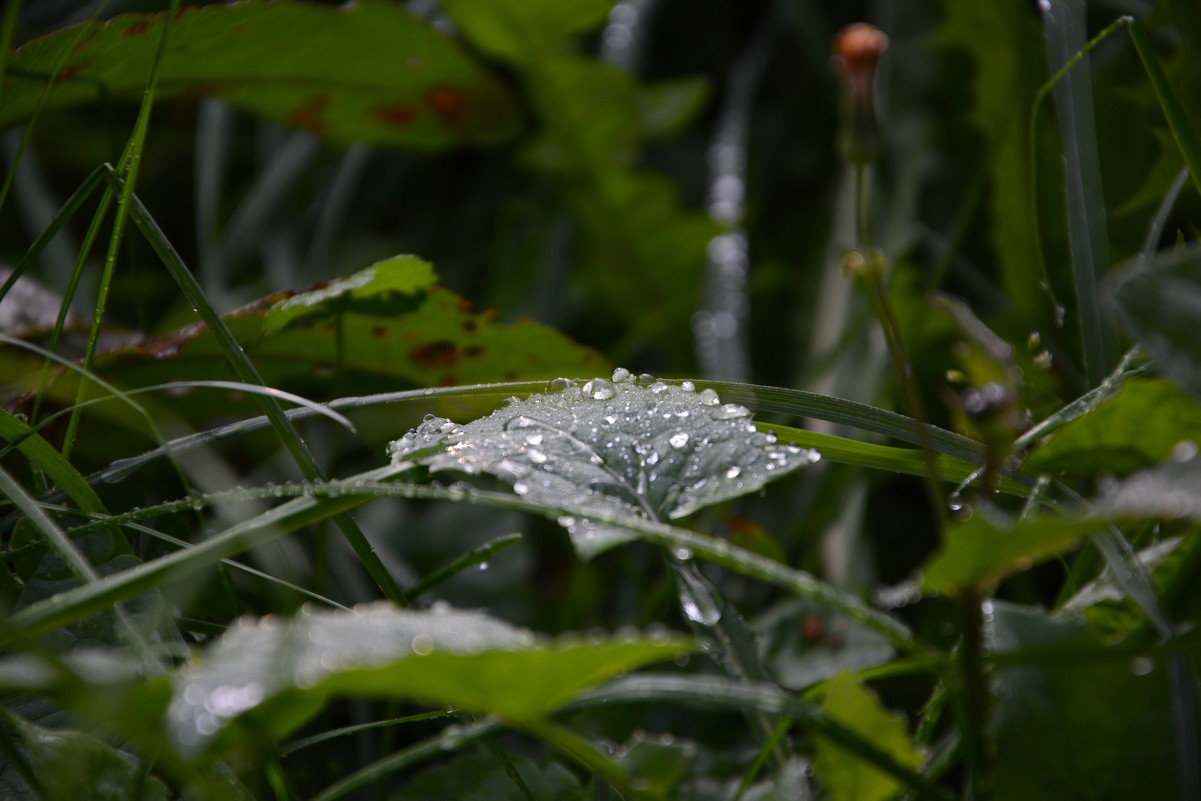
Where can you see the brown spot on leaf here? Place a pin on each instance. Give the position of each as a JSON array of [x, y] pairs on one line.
[[449, 104], [439, 353], [138, 28], [395, 115], [309, 115], [69, 72]]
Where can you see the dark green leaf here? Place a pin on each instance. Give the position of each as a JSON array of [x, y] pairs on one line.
[[1115, 437], [981, 551], [70, 765], [479, 776], [650, 450], [366, 72], [657, 763], [1071, 728]]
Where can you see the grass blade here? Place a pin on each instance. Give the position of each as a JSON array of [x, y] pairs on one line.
[[1182, 128]]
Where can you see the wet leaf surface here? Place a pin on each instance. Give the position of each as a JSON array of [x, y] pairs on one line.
[[643, 448]]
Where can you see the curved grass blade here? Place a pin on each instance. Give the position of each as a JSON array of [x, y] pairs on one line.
[[43, 455], [247, 372], [476, 556], [1182, 129]]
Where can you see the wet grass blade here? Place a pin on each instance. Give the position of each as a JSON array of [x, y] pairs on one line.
[[1182, 129], [247, 373], [476, 556], [1065, 36]]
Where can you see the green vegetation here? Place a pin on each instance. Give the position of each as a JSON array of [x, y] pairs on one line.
[[748, 423]]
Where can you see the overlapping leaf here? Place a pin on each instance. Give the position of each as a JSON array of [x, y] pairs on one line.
[[280, 672], [644, 448]]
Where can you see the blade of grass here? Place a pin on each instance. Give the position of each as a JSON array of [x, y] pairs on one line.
[[1178, 120], [43, 455], [247, 373], [128, 167], [321, 500], [1066, 40], [476, 556]]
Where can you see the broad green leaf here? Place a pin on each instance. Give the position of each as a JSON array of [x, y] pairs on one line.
[[845, 776], [70, 765], [1072, 724], [641, 448], [479, 776], [1160, 304], [279, 672], [367, 72], [387, 321], [1116, 438], [981, 552]]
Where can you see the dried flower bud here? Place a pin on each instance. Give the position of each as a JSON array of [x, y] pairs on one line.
[[857, 51]]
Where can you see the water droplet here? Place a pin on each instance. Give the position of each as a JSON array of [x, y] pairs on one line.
[[599, 389], [733, 472], [652, 458], [697, 602], [709, 397], [679, 440], [533, 439], [683, 554], [688, 386], [558, 385], [621, 375], [483, 565], [422, 644], [1184, 451], [521, 488], [730, 411], [1141, 666], [536, 456]]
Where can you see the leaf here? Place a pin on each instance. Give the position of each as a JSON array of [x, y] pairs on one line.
[[845, 776], [1115, 437], [657, 763], [1160, 304], [392, 323], [1167, 491], [981, 551], [645, 449], [71, 765], [1074, 725], [279, 672], [365, 72], [478, 776]]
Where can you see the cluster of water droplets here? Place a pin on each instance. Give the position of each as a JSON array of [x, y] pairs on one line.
[[624, 444]]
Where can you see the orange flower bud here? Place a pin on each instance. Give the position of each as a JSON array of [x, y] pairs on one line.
[[857, 51]]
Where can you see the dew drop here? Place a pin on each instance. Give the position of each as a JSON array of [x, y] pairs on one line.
[[709, 397], [688, 386], [621, 375], [730, 411], [422, 644], [599, 389], [533, 439], [733, 472], [679, 440], [521, 488], [535, 456], [559, 384], [482, 566]]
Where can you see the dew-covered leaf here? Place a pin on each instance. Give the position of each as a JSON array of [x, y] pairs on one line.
[[1167, 491], [845, 776], [279, 672], [643, 448], [365, 72]]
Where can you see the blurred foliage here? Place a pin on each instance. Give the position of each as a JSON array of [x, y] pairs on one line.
[[579, 181]]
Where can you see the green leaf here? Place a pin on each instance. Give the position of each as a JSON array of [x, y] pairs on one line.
[[1160, 303], [1167, 491], [657, 763], [845, 776], [71, 765], [644, 449], [1070, 724], [479, 776], [515, 30], [1115, 437], [367, 72], [981, 551], [386, 321], [278, 673]]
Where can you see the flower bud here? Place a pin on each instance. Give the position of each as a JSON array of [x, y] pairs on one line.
[[857, 51]]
